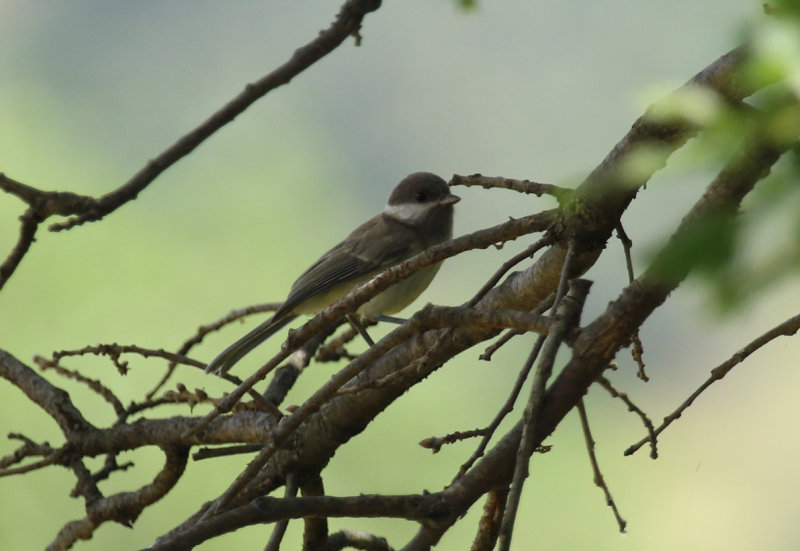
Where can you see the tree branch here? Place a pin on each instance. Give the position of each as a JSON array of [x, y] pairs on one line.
[[787, 328], [44, 204], [347, 23], [270, 509], [124, 507], [54, 401]]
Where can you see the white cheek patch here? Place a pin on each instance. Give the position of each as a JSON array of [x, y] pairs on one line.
[[408, 212]]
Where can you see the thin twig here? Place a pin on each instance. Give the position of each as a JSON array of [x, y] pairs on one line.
[[637, 352], [499, 343], [208, 453], [599, 480], [93, 384], [435, 443], [561, 290], [109, 466], [508, 264], [785, 329], [29, 448], [626, 247], [389, 379], [637, 349], [27, 235], [543, 306], [49, 460], [507, 408], [522, 186], [181, 395], [436, 317], [648, 424], [114, 351], [204, 330]]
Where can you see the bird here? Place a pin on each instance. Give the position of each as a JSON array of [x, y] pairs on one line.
[[418, 215]]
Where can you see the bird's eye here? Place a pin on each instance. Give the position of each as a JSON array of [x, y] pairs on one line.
[[420, 196]]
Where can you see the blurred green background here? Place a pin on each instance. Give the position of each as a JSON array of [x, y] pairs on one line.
[[90, 91]]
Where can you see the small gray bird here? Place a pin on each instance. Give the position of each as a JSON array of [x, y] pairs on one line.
[[419, 214]]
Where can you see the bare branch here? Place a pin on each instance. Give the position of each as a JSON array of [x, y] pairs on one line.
[[334, 350], [435, 443], [648, 424], [54, 401], [347, 22], [270, 509], [522, 186], [499, 343], [93, 384], [204, 330], [124, 507], [599, 480], [787, 328], [47, 461], [27, 235], [637, 352], [626, 247], [29, 448], [111, 465], [44, 204], [208, 453], [114, 352], [507, 265], [507, 408]]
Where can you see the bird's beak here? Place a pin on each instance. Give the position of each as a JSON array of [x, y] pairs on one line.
[[449, 199]]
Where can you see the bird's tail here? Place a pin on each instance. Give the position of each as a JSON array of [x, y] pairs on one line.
[[236, 351]]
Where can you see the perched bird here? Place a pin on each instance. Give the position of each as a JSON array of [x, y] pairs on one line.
[[419, 214]]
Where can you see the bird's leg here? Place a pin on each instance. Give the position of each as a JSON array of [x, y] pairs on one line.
[[360, 328], [391, 319]]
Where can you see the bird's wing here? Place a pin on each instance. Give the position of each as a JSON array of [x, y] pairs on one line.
[[381, 243]]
